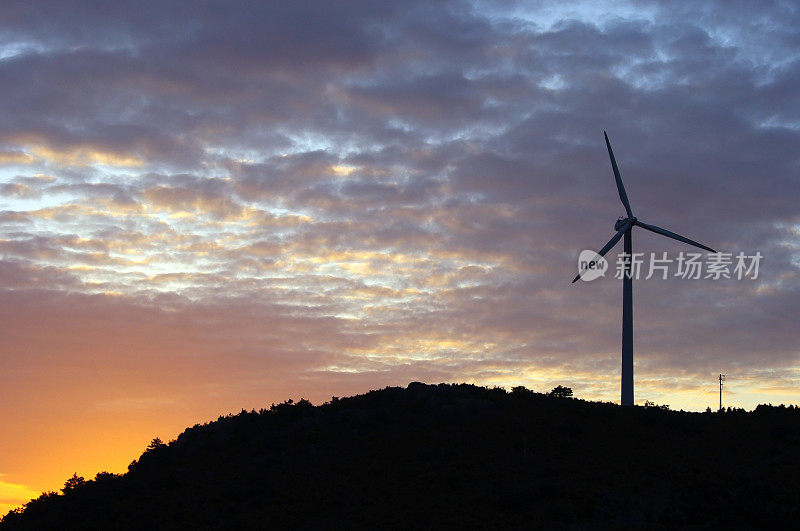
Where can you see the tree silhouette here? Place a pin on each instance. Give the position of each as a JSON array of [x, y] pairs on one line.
[[561, 392], [155, 444], [73, 483]]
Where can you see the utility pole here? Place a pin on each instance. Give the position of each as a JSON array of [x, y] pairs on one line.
[[721, 379]]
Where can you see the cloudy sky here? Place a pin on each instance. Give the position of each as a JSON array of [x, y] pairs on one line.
[[206, 207]]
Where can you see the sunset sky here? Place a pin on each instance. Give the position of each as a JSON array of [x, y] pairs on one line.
[[207, 207]]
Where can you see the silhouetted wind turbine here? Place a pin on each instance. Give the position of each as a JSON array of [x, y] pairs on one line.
[[624, 227]]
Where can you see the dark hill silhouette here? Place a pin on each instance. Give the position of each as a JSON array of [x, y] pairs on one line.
[[447, 456]]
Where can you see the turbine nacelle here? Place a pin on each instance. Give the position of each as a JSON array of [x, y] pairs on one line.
[[621, 222]]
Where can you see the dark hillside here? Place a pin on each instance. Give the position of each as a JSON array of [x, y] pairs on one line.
[[446, 456]]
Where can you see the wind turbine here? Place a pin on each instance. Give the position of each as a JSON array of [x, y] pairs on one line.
[[624, 227]]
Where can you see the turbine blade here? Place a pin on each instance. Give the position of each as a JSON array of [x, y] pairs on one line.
[[607, 247], [620, 187], [665, 232]]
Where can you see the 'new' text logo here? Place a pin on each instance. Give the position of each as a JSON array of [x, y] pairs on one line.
[[592, 265]]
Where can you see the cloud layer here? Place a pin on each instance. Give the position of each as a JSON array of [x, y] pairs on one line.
[[209, 206]]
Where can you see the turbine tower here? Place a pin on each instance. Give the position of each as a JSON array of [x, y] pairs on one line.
[[624, 227]]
